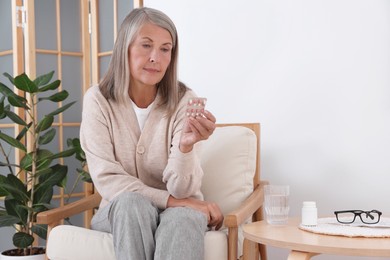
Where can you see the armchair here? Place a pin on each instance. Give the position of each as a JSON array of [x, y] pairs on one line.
[[231, 164]]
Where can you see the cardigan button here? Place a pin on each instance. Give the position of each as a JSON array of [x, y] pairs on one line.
[[140, 149]]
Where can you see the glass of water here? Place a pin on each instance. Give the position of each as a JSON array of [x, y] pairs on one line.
[[276, 204]]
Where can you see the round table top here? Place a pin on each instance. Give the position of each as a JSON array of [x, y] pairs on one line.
[[291, 237]]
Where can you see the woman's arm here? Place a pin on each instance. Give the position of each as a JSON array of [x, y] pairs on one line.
[[183, 173]]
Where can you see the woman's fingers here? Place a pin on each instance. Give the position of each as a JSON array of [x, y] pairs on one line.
[[216, 216], [210, 209], [203, 127]]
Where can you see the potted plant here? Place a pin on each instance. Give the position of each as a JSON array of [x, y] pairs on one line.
[[27, 185]]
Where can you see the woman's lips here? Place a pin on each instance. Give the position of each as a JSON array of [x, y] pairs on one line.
[[152, 70]]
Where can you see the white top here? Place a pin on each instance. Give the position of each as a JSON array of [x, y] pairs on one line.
[[142, 114]]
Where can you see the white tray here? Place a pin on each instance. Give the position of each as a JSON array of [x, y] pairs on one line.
[[330, 226]]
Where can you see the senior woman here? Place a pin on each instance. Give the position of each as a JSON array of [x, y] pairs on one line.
[[141, 148]]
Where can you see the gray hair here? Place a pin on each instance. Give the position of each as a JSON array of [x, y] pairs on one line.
[[115, 83]]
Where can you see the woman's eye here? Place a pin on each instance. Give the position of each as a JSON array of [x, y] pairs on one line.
[[145, 45], [166, 49]]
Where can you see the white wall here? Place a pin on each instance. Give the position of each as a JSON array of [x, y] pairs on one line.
[[315, 74]]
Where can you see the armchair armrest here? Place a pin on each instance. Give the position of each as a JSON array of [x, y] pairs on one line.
[[247, 208], [57, 214]]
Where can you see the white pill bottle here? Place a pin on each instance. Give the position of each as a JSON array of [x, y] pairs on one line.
[[309, 213]]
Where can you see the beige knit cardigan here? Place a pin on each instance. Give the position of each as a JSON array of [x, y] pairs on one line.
[[122, 158]]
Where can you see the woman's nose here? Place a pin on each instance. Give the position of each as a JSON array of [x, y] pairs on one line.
[[154, 56]]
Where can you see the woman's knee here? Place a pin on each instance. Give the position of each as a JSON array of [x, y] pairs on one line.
[[180, 228], [131, 203], [184, 217]]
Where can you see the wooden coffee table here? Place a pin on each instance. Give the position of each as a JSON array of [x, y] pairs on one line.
[[304, 244]]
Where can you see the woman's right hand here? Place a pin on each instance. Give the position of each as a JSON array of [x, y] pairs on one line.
[[210, 209]]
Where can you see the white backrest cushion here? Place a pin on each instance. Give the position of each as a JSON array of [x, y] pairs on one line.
[[228, 160]]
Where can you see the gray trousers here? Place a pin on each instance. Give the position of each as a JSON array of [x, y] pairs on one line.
[[142, 231]]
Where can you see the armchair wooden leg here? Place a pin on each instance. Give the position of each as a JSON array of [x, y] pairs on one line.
[[232, 246]]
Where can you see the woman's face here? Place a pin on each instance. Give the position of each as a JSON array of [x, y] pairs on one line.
[[150, 55]]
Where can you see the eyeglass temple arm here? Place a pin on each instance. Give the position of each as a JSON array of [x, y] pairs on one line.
[[368, 214]]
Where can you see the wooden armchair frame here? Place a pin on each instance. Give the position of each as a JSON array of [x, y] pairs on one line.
[[252, 206]]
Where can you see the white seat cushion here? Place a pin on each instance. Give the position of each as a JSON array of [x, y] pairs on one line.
[[76, 243], [67, 242]]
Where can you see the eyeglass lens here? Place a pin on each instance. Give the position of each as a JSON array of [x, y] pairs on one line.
[[367, 217]]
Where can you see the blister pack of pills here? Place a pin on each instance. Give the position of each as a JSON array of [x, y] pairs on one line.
[[195, 106]]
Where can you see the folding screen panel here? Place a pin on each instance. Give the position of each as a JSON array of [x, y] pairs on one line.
[[11, 61], [106, 19]]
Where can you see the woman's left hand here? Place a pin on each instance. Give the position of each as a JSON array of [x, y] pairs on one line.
[[196, 129]]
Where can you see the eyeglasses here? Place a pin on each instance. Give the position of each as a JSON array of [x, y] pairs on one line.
[[349, 216]]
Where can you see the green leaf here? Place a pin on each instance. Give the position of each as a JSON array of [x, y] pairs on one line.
[[45, 174], [8, 220], [40, 230], [85, 176], [52, 86], [13, 99], [45, 123], [43, 160], [63, 182], [23, 82], [52, 179], [42, 173], [3, 192], [60, 169], [2, 114], [15, 208], [62, 109], [47, 137], [44, 79], [11, 79], [6, 91], [57, 97], [23, 132], [48, 206], [13, 142], [26, 162], [16, 182], [14, 188], [14, 192], [15, 118], [18, 101], [63, 154], [43, 195], [75, 143], [22, 240], [69, 142]]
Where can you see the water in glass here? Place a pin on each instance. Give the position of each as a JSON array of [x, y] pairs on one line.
[[277, 205]]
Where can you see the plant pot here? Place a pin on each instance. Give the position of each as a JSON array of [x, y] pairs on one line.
[[5, 255]]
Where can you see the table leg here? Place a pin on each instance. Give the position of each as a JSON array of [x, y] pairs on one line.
[[251, 250], [298, 255]]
